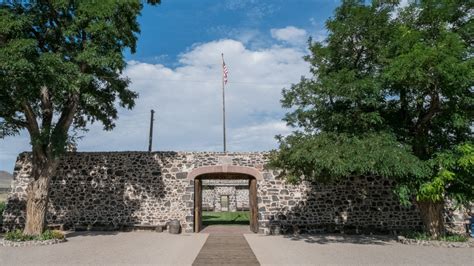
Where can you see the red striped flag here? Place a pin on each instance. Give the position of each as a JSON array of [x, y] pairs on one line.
[[225, 71]]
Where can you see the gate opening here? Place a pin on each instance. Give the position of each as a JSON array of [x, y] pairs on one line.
[[225, 201], [227, 173]]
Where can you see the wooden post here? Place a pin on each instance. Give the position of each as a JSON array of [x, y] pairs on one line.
[[253, 204], [150, 138], [197, 205]]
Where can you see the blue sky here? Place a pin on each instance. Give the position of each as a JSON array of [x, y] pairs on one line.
[[177, 71], [176, 25]]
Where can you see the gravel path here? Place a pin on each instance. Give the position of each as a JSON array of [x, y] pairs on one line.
[[110, 248], [352, 250]]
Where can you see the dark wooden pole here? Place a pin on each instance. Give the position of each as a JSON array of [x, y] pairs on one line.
[[197, 205], [150, 138], [253, 204]]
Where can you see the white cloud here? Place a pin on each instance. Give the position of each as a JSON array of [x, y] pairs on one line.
[[251, 37], [188, 102], [404, 3], [290, 34], [319, 32]]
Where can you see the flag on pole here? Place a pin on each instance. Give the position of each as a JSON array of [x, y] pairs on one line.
[[225, 71]]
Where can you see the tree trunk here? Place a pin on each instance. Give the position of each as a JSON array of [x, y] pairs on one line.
[[38, 197], [432, 216]]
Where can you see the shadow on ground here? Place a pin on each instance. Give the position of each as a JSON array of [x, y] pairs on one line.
[[225, 218], [344, 239], [72, 234]]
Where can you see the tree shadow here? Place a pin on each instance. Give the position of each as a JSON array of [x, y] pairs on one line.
[[352, 206], [73, 234], [207, 216], [226, 222], [97, 191], [342, 238]]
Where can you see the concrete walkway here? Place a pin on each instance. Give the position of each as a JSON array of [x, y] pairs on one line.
[[226, 229], [110, 248], [351, 250], [140, 248]]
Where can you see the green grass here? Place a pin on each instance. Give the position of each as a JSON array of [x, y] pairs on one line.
[[3, 197], [17, 235], [2, 207], [446, 238], [210, 218]]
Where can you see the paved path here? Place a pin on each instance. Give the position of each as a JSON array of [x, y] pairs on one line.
[[351, 250], [139, 248], [110, 248], [227, 229], [226, 245]]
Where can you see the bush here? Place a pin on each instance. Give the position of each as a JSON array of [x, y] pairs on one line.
[[17, 235], [52, 234]]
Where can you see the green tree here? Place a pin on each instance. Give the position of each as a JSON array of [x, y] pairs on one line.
[[389, 94], [60, 69]]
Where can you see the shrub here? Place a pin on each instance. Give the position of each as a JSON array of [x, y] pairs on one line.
[[2, 208], [17, 235]]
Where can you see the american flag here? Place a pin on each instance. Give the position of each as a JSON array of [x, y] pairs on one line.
[[225, 71]]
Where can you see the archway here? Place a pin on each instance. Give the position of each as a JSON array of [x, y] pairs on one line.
[[225, 172]]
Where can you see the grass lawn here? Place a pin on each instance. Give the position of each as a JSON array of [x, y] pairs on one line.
[[209, 218], [3, 197]]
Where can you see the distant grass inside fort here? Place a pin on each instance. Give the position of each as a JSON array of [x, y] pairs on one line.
[[3, 197], [211, 218]]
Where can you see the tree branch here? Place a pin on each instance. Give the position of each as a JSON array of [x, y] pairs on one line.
[[425, 118], [47, 107], [32, 124], [67, 115]]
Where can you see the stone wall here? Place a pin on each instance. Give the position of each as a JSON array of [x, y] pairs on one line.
[[358, 204], [242, 198], [113, 189], [208, 199], [119, 189], [228, 192], [236, 190]]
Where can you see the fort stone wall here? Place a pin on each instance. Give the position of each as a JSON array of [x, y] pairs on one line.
[[120, 189]]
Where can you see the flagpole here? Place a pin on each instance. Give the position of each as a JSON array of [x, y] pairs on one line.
[[223, 105]]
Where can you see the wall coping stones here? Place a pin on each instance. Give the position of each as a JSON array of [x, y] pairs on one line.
[[231, 169]]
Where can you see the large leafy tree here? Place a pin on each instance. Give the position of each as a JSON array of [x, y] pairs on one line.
[[60, 69], [391, 95]]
